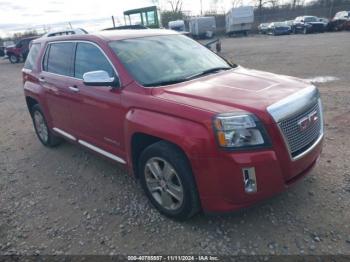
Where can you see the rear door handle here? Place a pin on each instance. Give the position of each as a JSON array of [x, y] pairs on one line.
[[74, 89], [42, 80]]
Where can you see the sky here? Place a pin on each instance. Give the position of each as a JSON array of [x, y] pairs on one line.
[[92, 15]]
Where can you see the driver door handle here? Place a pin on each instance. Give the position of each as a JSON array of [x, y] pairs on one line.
[[42, 80], [74, 89]]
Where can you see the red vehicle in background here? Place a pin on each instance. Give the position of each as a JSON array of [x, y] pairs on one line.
[[200, 133], [20, 51]]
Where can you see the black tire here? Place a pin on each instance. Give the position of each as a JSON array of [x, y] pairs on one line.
[[169, 152], [51, 140], [13, 58]]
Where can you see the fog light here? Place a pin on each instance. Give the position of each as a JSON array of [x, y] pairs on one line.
[[249, 179]]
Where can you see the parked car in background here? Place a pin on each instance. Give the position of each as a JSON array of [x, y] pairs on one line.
[[290, 23], [199, 132], [262, 28], [307, 24], [278, 28], [20, 51], [325, 22], [341, 21], [239, 20], [77, 31], [178, 25]]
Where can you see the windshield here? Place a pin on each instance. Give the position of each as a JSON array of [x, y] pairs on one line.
[[310, 19], [164, 59]]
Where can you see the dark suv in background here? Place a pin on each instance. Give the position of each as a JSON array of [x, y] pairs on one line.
[[307, 24], [20, 51]]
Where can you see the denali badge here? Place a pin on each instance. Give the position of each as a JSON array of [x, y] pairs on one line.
[[308, 121]]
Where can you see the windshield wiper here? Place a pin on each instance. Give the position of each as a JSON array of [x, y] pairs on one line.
[[179, 80], [166, 82], [207, 72]]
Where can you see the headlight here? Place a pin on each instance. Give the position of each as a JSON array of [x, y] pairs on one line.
[[239, 131]]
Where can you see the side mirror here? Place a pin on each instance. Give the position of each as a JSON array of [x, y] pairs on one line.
[[100, 78]]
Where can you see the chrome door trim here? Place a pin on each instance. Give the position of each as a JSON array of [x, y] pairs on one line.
[[102, 152], [63, 133]]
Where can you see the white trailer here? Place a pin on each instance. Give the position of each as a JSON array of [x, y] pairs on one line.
[[240, 20], [178, 25], [204, 26]]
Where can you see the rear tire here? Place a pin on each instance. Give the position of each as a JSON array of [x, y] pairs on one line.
[[43, 132], [13, 59], [167, 179]]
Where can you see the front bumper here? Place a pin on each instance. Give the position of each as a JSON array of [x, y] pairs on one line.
[[220, 179]]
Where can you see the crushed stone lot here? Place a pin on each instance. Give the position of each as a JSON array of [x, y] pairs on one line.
[[67, 200]]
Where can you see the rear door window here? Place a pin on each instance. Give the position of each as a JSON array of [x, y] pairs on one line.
[[59, 58], [32, 56], [89, 58]]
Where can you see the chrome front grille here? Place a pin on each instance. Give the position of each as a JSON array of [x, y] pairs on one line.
[[300, 120], [302, 130]]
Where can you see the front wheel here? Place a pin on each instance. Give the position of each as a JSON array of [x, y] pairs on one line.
[[168, 182], [43, 132], [13, 59]]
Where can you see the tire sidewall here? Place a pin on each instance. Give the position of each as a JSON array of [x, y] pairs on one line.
[[184, 172], [13, 59]]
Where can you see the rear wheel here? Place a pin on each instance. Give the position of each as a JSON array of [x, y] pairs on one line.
[[167, 180], [43, 132], [13, 59]]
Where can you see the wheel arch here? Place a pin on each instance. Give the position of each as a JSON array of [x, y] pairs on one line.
[[140, 141], [31, 102]]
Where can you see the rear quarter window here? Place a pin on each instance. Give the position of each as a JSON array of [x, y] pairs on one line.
[[32, 57]]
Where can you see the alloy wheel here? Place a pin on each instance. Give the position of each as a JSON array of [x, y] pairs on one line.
[[41, 126], [164, 183]]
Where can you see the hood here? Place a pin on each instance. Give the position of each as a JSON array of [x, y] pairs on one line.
[[239, 88]]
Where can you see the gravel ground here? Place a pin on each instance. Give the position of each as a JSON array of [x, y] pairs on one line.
[[69, 201]]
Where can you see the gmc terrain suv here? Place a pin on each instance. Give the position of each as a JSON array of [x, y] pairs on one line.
[[199, 133]]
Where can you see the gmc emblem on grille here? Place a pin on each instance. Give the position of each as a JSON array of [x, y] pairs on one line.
[[308, 121]]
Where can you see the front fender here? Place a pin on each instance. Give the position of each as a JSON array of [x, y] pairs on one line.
[[191, 137]]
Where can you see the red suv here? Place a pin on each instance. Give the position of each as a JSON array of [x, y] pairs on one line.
[[20, 51], [199, 133]]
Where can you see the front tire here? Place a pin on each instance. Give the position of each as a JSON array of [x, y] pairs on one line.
[[43, 132], [167, 179]]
